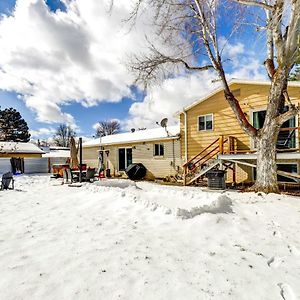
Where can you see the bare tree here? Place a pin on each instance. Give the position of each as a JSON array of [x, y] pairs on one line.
[[107, 128], [189, 29], [63, 135]]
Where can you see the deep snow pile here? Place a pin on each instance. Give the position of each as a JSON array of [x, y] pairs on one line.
[[130, 241], [185, 203]]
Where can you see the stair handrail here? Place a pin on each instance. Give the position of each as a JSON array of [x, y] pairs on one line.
[[189, 161], [207, 156]]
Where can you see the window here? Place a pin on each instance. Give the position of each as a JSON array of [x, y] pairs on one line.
[[159, 149], [205, 122], [125, 158], [286, 138], [289, 168]]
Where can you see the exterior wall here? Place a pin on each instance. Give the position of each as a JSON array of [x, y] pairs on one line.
[[252, 97], [90, 156], [157, 167], [20, 155], [31, 165]]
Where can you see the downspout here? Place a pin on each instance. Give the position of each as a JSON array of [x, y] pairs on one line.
[[185, 136]]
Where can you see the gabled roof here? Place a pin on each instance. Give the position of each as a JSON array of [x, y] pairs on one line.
[[18, 147], [146, 135], [231, 82]]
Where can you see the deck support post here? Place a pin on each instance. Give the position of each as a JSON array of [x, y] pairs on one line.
[[221, 144]]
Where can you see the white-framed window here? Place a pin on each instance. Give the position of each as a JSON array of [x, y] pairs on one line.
[[205, 122], [159, 150], [125, 158]]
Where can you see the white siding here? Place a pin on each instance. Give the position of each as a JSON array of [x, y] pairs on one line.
[[158, 167]]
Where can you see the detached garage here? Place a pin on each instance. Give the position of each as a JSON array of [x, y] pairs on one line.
[[21, 158]]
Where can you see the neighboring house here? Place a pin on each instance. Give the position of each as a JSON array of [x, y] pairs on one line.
[[157, 149], [210, 130], [19, 157], [56, 156]]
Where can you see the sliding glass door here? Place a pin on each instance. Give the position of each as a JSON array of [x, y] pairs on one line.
[[125, 158]]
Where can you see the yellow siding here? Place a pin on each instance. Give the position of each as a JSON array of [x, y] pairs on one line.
[[157, 167], [252, 97], [20, 155]]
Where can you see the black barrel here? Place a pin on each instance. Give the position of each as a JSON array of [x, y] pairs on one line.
[[216, 179], [136, 171]]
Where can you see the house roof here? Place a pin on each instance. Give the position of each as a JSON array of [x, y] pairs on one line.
[[231, 82], [58, 153], [18, 147], [146, 135]]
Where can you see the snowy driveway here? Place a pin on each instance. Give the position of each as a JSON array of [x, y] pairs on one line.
[[101, 242]]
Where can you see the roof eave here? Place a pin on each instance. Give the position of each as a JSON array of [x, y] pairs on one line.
[[134, 141]]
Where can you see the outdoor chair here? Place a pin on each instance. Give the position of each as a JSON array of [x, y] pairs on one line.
[[69, 176], [90, 174], [65, 176], [72, 176], [7, 181]]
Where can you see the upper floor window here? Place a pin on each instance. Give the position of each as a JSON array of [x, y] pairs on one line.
[[205, 122], [159, 149]]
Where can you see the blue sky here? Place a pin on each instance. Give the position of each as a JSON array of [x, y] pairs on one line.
[[58, 55], [86, 117]]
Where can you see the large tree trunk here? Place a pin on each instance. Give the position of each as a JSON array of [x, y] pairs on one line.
[[266, 175]]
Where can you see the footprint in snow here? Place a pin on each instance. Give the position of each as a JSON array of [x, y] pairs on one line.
[[294, 250], [275, 262], [286, 292]]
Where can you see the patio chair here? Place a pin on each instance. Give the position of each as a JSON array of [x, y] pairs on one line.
[[69, 176], [72, 176], [65, 176], [90, 174], [7, 181]]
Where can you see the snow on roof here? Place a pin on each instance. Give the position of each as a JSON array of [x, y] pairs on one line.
[[58, 153], [137, 136], [231, 82], [18, 147]]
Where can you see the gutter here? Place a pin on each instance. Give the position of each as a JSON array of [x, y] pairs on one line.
[[174, 137], [185, 136]]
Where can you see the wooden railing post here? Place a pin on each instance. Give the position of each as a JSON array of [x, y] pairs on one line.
[[184, 175], [221, 144]]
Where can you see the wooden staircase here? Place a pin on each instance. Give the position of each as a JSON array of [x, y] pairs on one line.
[[195, 168]]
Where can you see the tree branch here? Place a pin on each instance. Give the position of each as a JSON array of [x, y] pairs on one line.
[[293, 111], [255, 3], [189, 67]]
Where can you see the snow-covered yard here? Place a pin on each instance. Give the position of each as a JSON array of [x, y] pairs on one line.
[[118, 240]]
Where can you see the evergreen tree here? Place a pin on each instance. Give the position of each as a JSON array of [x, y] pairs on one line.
[[13, 127], [295, 76]]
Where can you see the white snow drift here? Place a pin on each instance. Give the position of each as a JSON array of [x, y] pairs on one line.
[[124, 241]]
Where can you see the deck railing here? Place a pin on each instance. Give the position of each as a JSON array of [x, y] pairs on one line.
[[221, 145]]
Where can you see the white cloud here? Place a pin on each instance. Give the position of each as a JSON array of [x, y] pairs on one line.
[[169, 97], [77, 55], [42, 132], [231, 50], [175, 93]]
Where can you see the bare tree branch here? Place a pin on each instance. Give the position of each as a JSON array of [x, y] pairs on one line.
[[255, 3], [293, 111]]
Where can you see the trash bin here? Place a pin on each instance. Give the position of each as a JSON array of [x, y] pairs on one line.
[[136, 171], [216, 179]]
